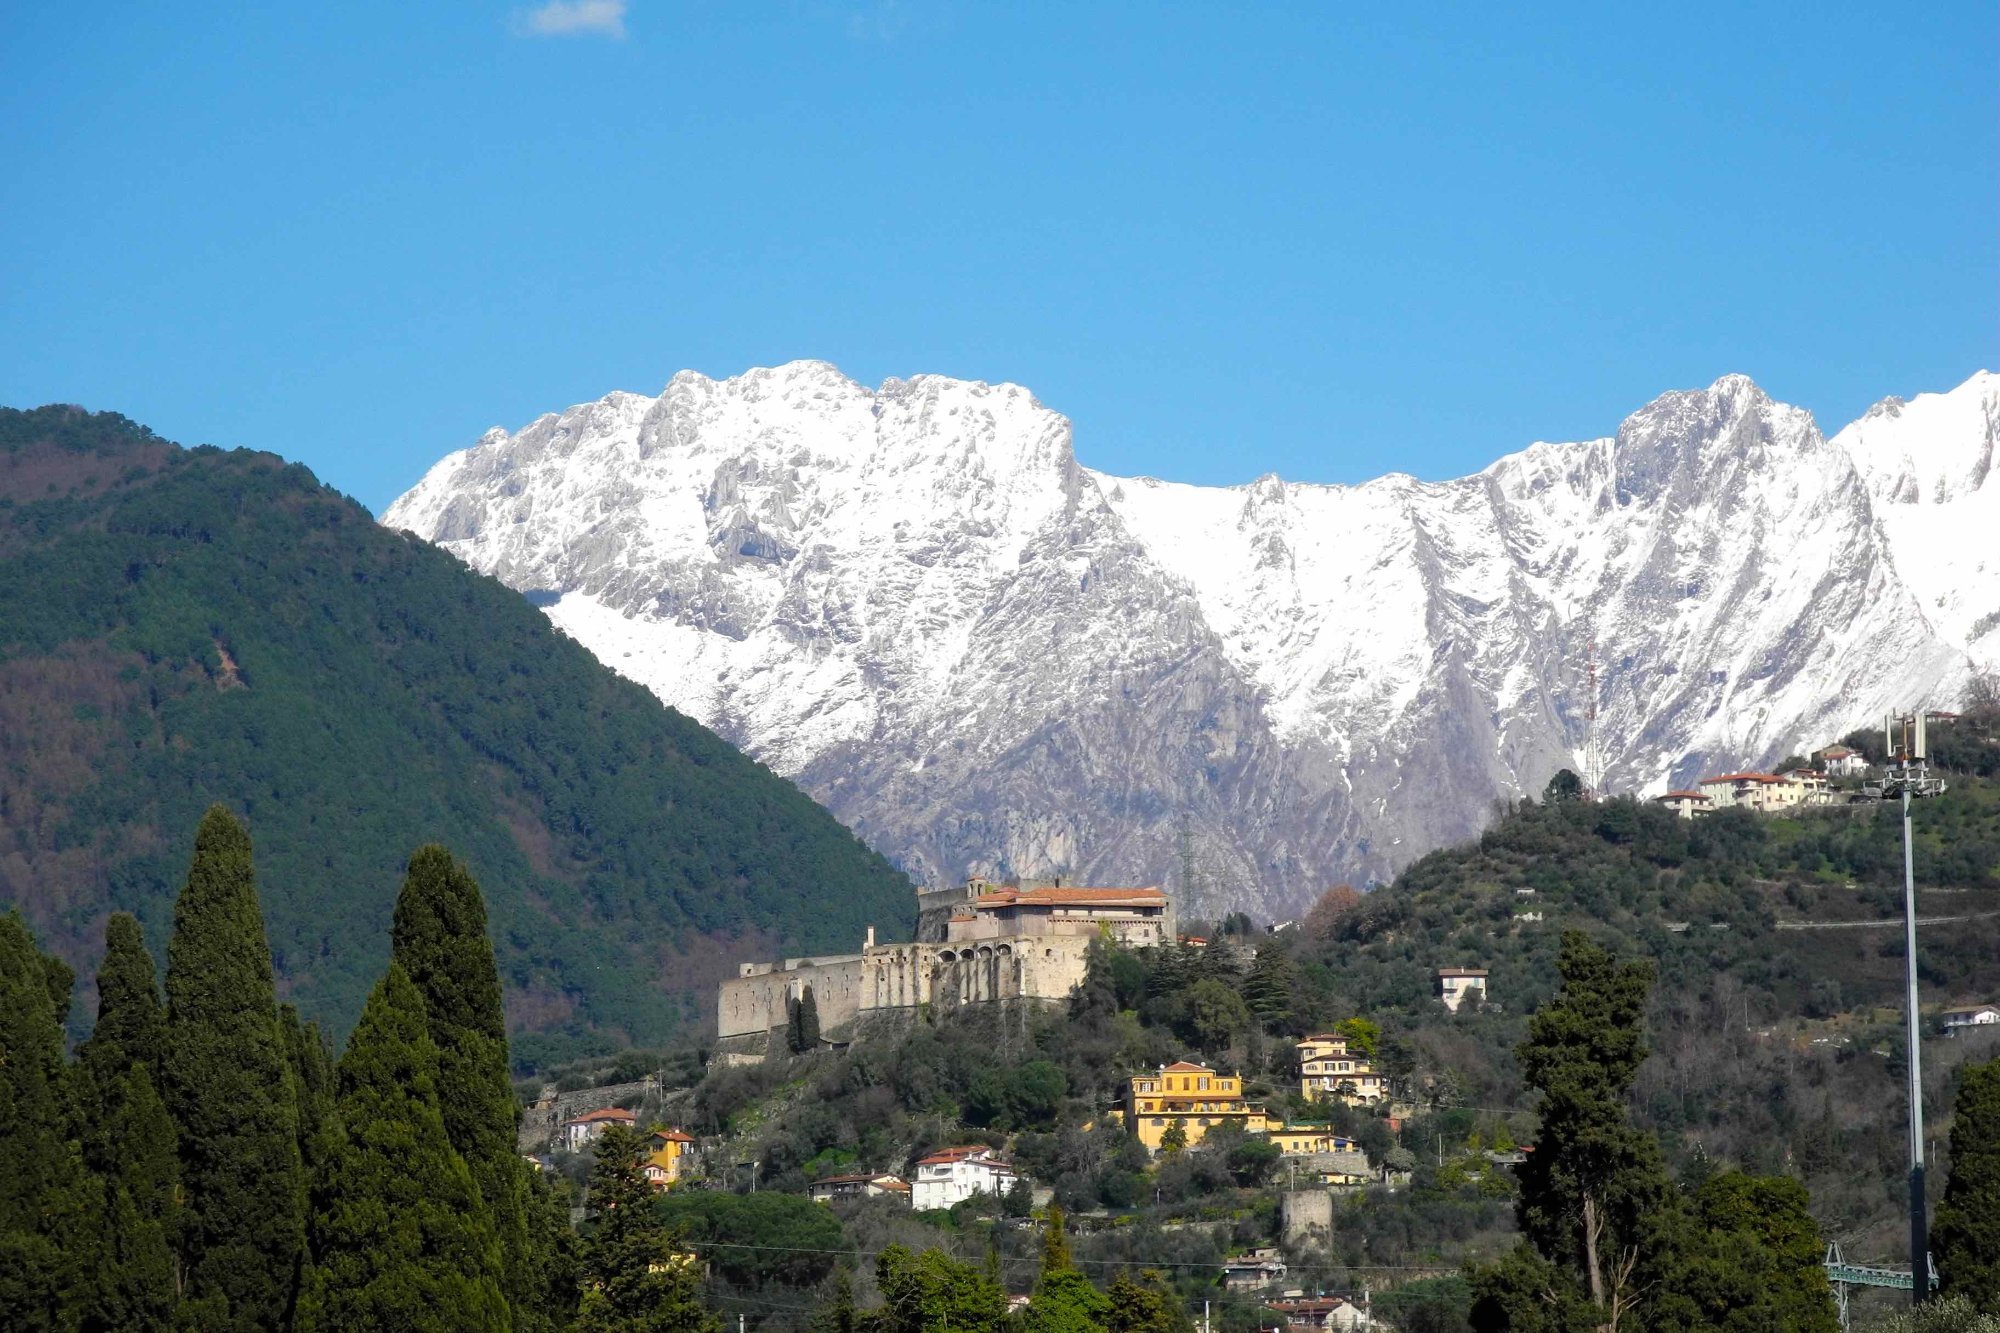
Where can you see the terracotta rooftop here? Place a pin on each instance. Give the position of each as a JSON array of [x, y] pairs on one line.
[[1183, 1067], [1148, 897], [673, 1135]]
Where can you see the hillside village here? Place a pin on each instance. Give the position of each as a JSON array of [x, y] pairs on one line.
[[1289, 1144]]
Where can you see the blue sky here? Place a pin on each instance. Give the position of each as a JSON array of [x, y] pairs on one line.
[[1326, 240]]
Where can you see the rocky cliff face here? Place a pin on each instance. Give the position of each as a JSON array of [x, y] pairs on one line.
[[987, 658]]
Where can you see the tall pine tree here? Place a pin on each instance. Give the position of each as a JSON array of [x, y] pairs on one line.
[[401, 1240], [1595, 1200], [1268, 988], [636, 1277], [440, 940], [228, 1086], [1965, 1235], [45, 1193], [129, 1140]]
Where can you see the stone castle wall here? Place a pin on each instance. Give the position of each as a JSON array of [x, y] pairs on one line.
[[886, 977]]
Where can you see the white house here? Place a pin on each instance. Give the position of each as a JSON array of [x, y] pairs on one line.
[[1841, 762], [1457, 984], [953, 1175], [585, 1128], [1973, 1016]]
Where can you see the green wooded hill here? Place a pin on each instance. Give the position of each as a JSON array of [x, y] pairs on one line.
[[186, 626]]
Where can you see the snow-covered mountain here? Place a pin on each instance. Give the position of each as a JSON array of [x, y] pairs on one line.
[[988, 658]]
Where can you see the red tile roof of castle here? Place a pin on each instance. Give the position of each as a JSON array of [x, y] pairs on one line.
[[1149, 897]]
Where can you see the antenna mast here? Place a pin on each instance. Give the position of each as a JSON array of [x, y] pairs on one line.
[[1593, 776]]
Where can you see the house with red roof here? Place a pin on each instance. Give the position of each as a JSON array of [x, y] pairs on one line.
[[1686, 804], [667, 1153], [1840, 762], [586, 1128], [860, 1185], [953, 1175]]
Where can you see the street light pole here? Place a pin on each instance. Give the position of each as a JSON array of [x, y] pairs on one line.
[[1920, 1246], [1907, 774]]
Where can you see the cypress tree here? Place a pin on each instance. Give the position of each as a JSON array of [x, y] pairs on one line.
[[45, 1192], [808, 1020], [401, 1239], [554, 1255], [228, 1086], [135, 1288], [130, 1023], [313, 1076], [1055, 1243], [1965, 1235], [637, 1279], [129, 1139], [1064, 1301], [440, 941]]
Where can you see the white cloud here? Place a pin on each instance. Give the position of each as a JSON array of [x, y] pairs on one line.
[[570, 18]]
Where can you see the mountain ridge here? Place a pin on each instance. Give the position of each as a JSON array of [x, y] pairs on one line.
[[990, 658]]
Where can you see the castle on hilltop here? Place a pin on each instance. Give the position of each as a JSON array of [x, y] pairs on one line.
[[976, 944]]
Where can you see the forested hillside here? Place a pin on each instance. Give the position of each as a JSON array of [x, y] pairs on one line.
[[1776, 1021], [184, 627]]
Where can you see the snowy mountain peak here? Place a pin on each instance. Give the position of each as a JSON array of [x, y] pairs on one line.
[[987, 658]]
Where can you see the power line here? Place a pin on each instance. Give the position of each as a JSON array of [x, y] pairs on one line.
[[1079, 1263]]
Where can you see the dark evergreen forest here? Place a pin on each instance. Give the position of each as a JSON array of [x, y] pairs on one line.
[[188, 626]]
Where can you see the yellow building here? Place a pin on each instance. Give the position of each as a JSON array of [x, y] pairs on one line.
[[1328, 1071], [666, 1156], [1309, 1140], [1194, 1097]]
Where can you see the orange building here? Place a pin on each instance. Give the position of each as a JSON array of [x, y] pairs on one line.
[[666, 1158]]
